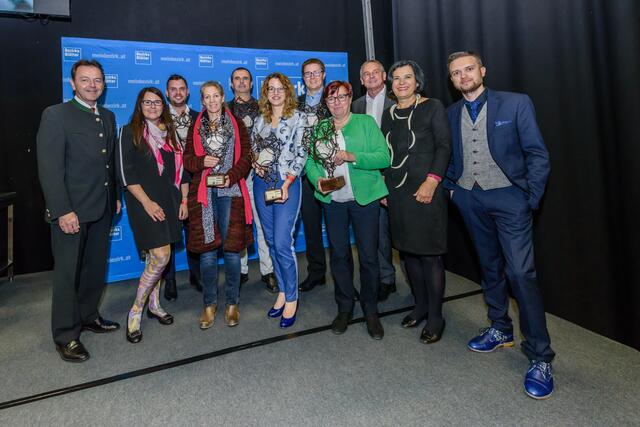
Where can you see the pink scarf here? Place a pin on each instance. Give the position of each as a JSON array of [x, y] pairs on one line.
[[198, 148], [157, 140]]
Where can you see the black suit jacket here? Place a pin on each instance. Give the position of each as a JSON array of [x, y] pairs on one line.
[[323, 110], [193, 114], [359, 106], [75, 151]]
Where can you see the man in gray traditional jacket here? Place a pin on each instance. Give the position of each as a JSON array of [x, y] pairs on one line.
[[75, 147]]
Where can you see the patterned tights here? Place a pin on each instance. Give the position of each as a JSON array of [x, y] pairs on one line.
[[149, 286]]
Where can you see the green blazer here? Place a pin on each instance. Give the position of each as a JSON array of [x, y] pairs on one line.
[[365, 141]]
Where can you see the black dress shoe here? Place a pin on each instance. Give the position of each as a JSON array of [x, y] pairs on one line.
[[428, 337], [134, 336], [385, 290], [195, 282], [167, 319], [170, 290], [340, 323], [374, 327], [73, 351], [271, 283], [309, 283], [410, 322], [101, 326]]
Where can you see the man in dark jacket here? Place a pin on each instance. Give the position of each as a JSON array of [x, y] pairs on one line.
[[374, 103], [497, 175], [177, 93], [75, 148]]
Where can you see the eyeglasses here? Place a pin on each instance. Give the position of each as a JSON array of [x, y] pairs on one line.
[[273, 89], [309, 74], [368, 74], [149, 103], [333, 99]]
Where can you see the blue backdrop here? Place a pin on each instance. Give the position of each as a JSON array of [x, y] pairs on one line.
[[129, 66]]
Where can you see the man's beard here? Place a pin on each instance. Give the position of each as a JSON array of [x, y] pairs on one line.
[[473, 88]]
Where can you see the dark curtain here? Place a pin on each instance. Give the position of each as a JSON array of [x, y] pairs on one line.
[[579, 61], [30, 77]]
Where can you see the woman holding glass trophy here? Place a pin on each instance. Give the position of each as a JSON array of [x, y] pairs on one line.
[[218, 153], [278, 159], [346, 153]]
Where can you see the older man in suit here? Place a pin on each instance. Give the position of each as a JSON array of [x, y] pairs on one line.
[[373, 103], [75, 149], [497, 176]]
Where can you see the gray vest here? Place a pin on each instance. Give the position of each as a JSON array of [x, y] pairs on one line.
[[479, 166]]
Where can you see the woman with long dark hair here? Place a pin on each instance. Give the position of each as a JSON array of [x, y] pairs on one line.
[[150, 169], [219, 156]]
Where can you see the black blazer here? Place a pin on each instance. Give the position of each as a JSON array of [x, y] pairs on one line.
[[323, 110], [76, 166], [359, 106]]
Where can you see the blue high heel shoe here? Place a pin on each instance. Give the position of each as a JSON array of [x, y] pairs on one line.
[[286, 322], [275, 312]]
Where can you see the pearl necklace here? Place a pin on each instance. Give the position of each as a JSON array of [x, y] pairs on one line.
[[395, 116]]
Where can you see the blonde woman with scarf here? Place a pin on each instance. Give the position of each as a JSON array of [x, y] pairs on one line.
[[150, 168], [220, 215]]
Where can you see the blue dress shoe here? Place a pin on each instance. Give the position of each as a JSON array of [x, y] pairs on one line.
[[538, 382], [489, 340], [286, 322], [275, 312]]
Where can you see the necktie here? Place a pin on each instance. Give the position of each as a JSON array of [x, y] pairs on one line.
[[473, 109], [93, 110]]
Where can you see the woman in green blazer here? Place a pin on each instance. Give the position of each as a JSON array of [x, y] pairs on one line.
[[351, 149]]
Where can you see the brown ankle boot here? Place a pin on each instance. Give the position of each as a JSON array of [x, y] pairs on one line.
[[232, 315], [208, 316]]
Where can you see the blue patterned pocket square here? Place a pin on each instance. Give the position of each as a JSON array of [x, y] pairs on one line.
[[502, 122]]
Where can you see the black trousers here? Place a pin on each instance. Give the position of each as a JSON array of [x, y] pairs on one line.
[[80, 262], [311, 210], [364, 220], [193, 260]]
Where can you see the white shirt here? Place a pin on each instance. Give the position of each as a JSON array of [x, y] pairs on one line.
[[84, 104], [345, 194], [375, 105]]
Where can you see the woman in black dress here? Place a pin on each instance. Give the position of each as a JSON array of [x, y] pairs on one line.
[[150, 163], [417, 132]]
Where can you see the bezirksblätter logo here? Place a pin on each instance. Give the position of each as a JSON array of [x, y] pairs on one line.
[[116, 233], [111, 80], [262, 63], [143, 57], [71, 54], [205, 60]]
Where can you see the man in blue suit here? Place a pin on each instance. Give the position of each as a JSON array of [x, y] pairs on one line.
[[497, 176]]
